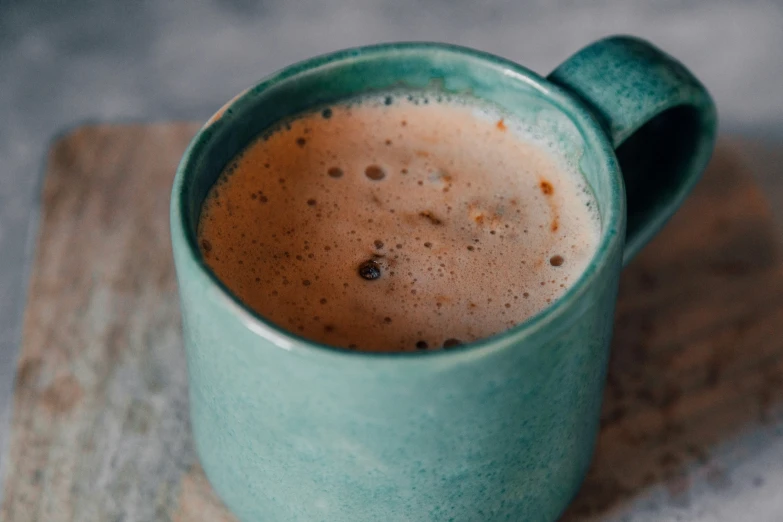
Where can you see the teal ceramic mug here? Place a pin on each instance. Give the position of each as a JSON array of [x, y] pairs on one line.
[[500, 429]]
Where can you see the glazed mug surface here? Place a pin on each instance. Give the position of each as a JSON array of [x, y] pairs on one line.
[[499, 429]]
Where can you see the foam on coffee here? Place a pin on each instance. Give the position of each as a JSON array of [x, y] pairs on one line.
[[398, 223]]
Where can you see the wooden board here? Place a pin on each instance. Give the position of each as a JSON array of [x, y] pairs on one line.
[[100, 427]]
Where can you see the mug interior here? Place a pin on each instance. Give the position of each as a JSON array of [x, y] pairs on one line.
[[552, 115]]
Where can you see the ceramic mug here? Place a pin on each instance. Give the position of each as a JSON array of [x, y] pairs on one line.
[[500, 429]]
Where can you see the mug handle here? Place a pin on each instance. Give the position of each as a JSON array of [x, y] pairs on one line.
[[659, 118]]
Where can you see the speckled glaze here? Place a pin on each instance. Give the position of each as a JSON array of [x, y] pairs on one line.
[[501, 429]]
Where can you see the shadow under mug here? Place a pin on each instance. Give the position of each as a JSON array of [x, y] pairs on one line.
[[500, 429]]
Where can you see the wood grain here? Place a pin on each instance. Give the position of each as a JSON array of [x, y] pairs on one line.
[[100, 429]]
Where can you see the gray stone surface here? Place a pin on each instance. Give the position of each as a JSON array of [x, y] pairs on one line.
[[63, 62]]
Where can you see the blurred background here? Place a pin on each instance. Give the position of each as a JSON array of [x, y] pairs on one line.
[[64, 62]]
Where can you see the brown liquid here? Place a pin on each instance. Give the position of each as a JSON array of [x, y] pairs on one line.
[[398, 227]]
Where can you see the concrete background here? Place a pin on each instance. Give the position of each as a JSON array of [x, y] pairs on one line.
[[63, 62]]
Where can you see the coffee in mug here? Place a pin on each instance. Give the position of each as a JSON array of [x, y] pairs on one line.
[[399, 222]]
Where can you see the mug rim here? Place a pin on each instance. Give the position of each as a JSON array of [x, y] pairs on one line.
[[593, 134]]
